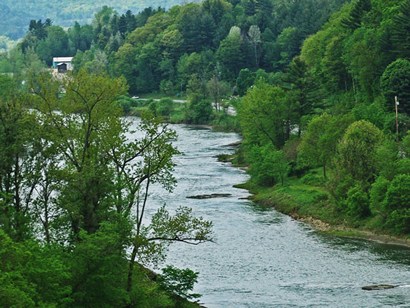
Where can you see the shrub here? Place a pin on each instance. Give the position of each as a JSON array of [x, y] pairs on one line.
[[357, 202], [398, 221], [378, 194], [398, 193], [267, 165]]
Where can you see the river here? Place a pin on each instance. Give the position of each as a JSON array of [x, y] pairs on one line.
[[262, 258]]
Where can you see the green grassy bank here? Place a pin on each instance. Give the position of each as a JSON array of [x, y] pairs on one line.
[[307, 199]]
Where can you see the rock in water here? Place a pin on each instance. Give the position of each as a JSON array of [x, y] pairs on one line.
[[378, 287], [209, 196]]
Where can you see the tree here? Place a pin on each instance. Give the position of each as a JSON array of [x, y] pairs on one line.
[[358, 10], [254, 35], [267, 165], [217, 89], [179, 282], [196, 26], [199, 111], [287, 46], [245, 80], [397, 203], [319, 142], [54, 45], [231, 54], [81, 141], [395, 81], [378, 195], [80, 37], [356, 151], [357, 202], [124, 65], [303, 90], [366, 68], [33, 275], [262, 113], [398, 193], [104, 183], [400, 30], [18, 138]]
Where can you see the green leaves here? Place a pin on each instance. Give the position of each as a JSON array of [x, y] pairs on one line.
[[181, 227], [179, 281], [319, 142], [267, 165], [32, 275], [356, 150], [262, 113], [395, 81]]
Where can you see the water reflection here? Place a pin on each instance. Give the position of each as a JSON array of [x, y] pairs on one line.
[[380, 252]]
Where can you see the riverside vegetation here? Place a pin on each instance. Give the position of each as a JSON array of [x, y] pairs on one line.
[[314, 85], [74, 186]]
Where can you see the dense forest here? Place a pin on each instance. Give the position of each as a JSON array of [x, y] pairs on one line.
[[322, 93], [15, 15]]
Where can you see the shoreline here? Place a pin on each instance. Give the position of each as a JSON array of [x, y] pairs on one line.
[[353, 233], [337, 230]]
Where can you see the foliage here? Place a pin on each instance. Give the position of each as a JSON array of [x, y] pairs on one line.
[[399, 221], [398, 193], [179, 281], [378, 194], [261, 115], [395, 82], [245, 80], [267, 165], [17, 14], [199, 111], [356, 150], [32, 274], [357, 202], [74, 178], [319, 143]]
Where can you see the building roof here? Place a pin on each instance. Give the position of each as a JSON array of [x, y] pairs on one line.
[[62, 59]]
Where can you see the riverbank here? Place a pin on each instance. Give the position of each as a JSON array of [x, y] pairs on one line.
[[313, 205], [180, 111]]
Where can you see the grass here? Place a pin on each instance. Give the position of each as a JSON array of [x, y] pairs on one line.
[[313, 202], [159, 95]]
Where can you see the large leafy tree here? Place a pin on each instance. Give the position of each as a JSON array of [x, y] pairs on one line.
[[19, 140], [100, 187], [356, 151], [232, 54], [319, 142], [262, 113]]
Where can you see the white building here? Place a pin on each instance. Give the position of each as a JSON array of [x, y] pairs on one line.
[[63, 64]]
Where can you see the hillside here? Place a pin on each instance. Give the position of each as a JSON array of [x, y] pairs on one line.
[[15, 15]]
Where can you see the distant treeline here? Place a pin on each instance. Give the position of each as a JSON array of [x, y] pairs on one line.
[[15, 15]]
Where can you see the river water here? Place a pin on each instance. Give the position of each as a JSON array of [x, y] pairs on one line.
[[262, 258]]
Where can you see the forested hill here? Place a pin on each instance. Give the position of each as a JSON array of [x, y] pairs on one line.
[[16, 14]]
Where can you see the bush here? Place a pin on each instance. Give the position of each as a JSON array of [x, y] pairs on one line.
[[398, 193], [199, 111], [313, 179], [179, 281], [378, 194], [403, 166], [357, 202], [225, 122], [165, 107], [267, 165], [398, 221]]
